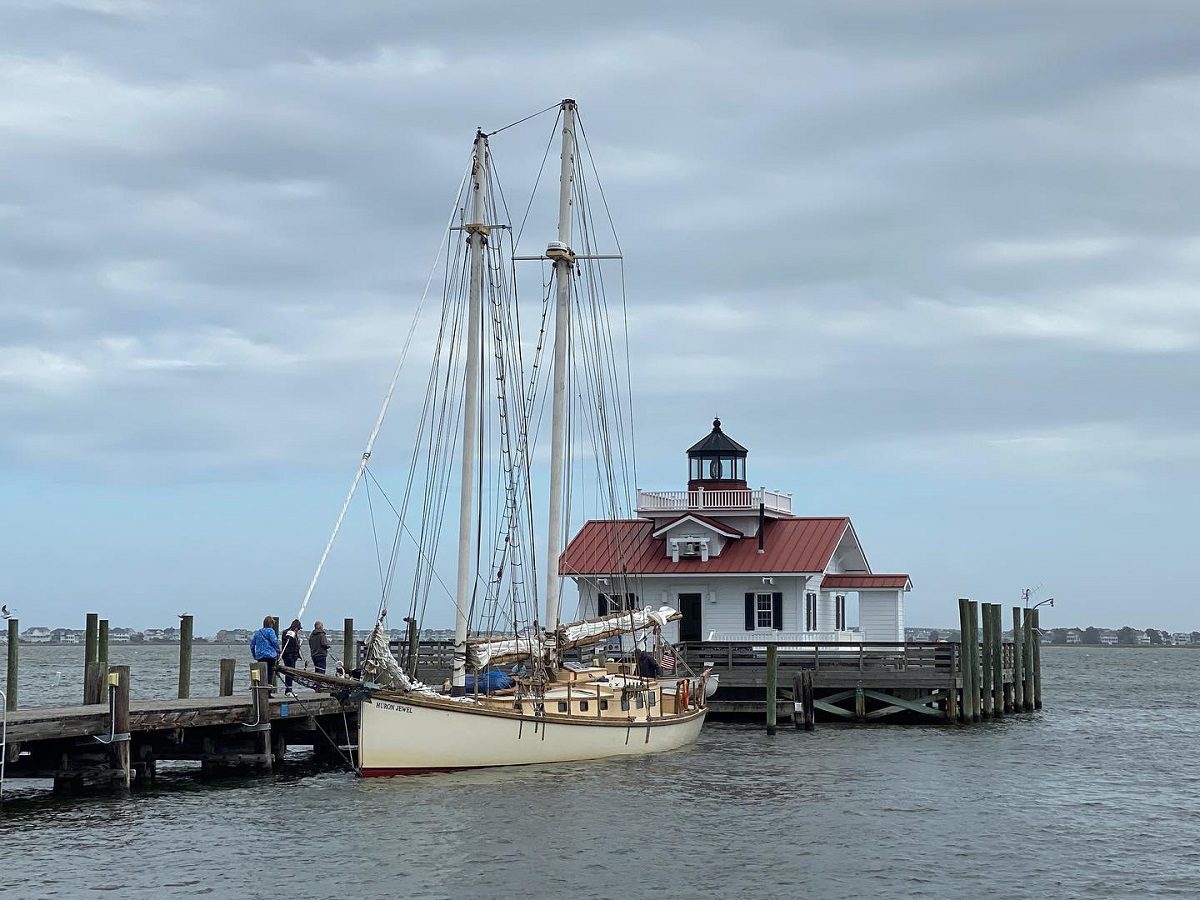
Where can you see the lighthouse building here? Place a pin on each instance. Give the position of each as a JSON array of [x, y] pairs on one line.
[[736, 562]]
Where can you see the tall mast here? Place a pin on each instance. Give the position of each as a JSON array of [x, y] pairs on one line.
[[477, 229], [564, 264]]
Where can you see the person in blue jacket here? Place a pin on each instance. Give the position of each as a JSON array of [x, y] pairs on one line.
[[264, 647]]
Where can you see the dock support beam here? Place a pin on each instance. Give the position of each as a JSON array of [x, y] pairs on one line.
[[10, 687], [772, 686], [1037, 660], [348, 644], [228, 666], [805, 715], [185, 657]]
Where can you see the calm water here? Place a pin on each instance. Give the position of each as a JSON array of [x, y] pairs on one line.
[[1091, 798]]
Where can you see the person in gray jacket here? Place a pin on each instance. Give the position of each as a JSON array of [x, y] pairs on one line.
[[318, 645]]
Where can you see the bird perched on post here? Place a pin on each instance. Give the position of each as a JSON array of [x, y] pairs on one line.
[[5, 612]]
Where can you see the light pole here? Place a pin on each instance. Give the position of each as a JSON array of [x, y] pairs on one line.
[[1043, 603]]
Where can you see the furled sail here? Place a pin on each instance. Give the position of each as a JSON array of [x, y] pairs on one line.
[[491, 651]]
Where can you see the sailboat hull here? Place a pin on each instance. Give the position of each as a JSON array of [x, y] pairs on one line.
[[420, 736]]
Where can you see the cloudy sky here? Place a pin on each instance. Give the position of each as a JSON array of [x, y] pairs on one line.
[[934, 263]]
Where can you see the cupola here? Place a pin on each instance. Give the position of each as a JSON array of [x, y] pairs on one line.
[[717, 462]]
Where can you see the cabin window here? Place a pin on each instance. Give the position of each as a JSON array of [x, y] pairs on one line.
[[653, 699], [603, 705], [562, 705], [625, 704], [615, 603], [840, 611], [583, 706], [764, 610], [641, 701], [517, 706], [810, 611]]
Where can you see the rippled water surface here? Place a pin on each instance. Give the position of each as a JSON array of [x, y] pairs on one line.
[[1093, 797]]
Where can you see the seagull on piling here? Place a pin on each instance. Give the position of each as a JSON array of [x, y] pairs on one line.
[[5, 612]]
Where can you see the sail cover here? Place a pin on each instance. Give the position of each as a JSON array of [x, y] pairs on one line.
[[381, 667], [484, 652]]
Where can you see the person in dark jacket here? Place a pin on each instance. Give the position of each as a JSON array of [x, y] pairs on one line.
[[647, 665], [291, 652], [318, 647], [264, 647]]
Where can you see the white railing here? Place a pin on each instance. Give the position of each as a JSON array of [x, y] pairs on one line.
[[744, 498], [786, 637]]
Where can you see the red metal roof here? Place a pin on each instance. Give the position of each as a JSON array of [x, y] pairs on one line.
[[865, 582], [625, 546]]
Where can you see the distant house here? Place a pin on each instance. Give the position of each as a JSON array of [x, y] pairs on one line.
[[154, 634], [66, 636], [1108, 637], [1142, 639], [36, 635], [1180, 638], [1073, 637]]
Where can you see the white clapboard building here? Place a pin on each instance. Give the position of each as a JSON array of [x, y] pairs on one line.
[[736, 562]]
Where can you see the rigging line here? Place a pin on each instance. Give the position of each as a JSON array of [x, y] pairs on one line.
[[387, 400], [420, 550], [375, 534], [526, 119], [538, 180]]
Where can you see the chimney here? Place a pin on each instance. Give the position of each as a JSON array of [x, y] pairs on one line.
[[762, 522]]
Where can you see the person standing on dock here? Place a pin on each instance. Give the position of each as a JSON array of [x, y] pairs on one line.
[[264, 647], [318, 647], [291, 653]]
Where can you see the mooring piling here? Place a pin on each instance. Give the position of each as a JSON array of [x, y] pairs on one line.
[[772, 686], [997, 660], [91, 672], [10, 686], [119, 686], [1018, 688], [412, 638], [185, 657], [102, 645], [228, 667], [1037, 661], [260, 699], [348, 643], [1027, 657], [987, 695]]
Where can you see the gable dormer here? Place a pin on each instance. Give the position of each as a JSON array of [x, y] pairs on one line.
[[693, 536]]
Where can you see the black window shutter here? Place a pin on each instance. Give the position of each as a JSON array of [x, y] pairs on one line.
[[777, 611], [602, 605], [749, 612]]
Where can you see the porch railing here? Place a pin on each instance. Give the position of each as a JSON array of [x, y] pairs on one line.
[[701, 499]]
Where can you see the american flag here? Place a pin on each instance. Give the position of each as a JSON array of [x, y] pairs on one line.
[[668, 659]]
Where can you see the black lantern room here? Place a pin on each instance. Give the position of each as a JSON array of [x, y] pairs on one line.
[[717, 462]]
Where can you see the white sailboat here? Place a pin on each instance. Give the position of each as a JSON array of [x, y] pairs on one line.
[[556, 710]]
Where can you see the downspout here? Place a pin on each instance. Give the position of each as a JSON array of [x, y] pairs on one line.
[[762, 522]]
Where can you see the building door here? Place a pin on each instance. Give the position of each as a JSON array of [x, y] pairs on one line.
[[691, 628]]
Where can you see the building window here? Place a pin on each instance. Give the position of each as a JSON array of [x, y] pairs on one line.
[[616, 603], [840, 612], [764, 611], [810, 611]]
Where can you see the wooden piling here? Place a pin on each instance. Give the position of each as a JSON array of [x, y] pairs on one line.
[[1027, 656], [860, 704], [348, 644], [90, 673], [228, 667], [986, 695], [973, 650], [772, 686], [1037, 661], [1018, 679], [260, 707], [964, 657], [10, 686], [410, 660], [102, 645], [121, 738], [802, 696], [185, 657], [997, 660]]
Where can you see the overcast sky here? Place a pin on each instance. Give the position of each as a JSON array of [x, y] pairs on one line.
[[934, 263]]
